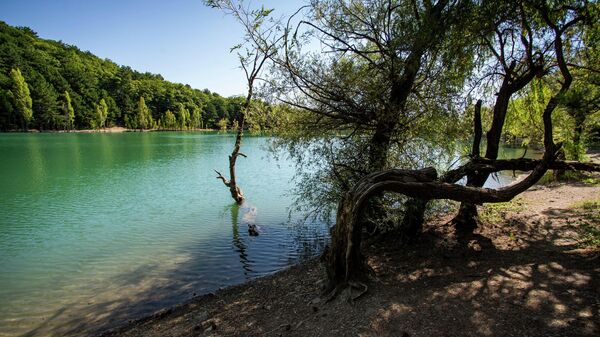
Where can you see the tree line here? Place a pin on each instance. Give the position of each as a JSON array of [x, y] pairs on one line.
[[49, 85]]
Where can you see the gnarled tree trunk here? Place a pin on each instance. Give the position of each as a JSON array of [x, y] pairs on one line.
[[344, 262], [343, 257]]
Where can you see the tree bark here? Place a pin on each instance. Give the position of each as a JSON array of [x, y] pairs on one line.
[[578, 135], [414, 216], [343, 258], [477, 130], [234, 189], [379, 145]]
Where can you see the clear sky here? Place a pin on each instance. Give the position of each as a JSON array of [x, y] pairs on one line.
[[182, 40]]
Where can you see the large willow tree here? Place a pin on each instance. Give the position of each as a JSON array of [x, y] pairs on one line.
[[379, 90], [377, 79], [524, 40]]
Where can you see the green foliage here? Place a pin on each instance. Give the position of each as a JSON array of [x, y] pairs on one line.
[[589, 223], [196, 118], [496, 213], [143, 117], [183, 117], [21, 96], [523, 125], [48, 69], [576, 116], [69, 112], [270, 117], [168, 121], [222, 124], [101, 114]]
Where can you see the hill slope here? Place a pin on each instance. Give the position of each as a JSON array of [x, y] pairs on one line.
[[51, 68]]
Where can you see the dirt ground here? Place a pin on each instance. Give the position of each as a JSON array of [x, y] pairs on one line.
[[525, 276]]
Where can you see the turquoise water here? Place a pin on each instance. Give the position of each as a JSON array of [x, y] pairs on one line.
[[96, 229]]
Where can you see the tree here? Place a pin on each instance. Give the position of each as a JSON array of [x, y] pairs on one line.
[[580, 103], [196, 118], [169, 121], [523, 47], [252, 59], [543, 49], [210, 116], [387, 85], [21, 97], [143, 118], [101, 114], [183, 117], [583, 100], [69, 112], [45, 109], [222, 124]]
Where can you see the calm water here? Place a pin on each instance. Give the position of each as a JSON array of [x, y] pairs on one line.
[[96, 229], [100, 228]]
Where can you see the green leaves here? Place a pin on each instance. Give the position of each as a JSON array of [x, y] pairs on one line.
[[101, 114], [69, 112], [57, 86], [21, 96], [144, 118]]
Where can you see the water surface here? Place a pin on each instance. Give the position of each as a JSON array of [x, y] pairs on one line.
[[100, 228]]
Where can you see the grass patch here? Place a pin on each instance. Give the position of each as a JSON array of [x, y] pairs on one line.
[[570, 176], [589, 226], [591, 180], [496, 212]]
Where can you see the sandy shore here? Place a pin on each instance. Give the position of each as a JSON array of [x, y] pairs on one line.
[[524, 276]]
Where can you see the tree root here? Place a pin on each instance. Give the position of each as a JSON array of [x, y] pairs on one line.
[[358, 285], [333, 294]]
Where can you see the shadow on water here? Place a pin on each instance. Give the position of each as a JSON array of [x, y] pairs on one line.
[[140, 293]]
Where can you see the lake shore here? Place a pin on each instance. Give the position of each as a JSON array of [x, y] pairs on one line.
[[113, 129], [524, 275]]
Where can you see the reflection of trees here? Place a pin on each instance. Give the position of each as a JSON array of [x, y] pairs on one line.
[[238, 241]]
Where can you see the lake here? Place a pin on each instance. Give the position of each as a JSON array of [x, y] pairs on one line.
[[96, 229]]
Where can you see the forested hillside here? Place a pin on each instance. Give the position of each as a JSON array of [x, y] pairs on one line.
[[67, 88]]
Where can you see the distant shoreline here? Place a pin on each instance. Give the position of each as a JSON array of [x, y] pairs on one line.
[[114, 129]]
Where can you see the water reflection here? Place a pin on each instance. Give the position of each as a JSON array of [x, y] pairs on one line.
[[238, 241]]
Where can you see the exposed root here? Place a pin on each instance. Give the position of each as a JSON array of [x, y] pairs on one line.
[[358, 285], [333, 294]]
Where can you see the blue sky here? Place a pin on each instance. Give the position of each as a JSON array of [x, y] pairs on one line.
[[182, 40]]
